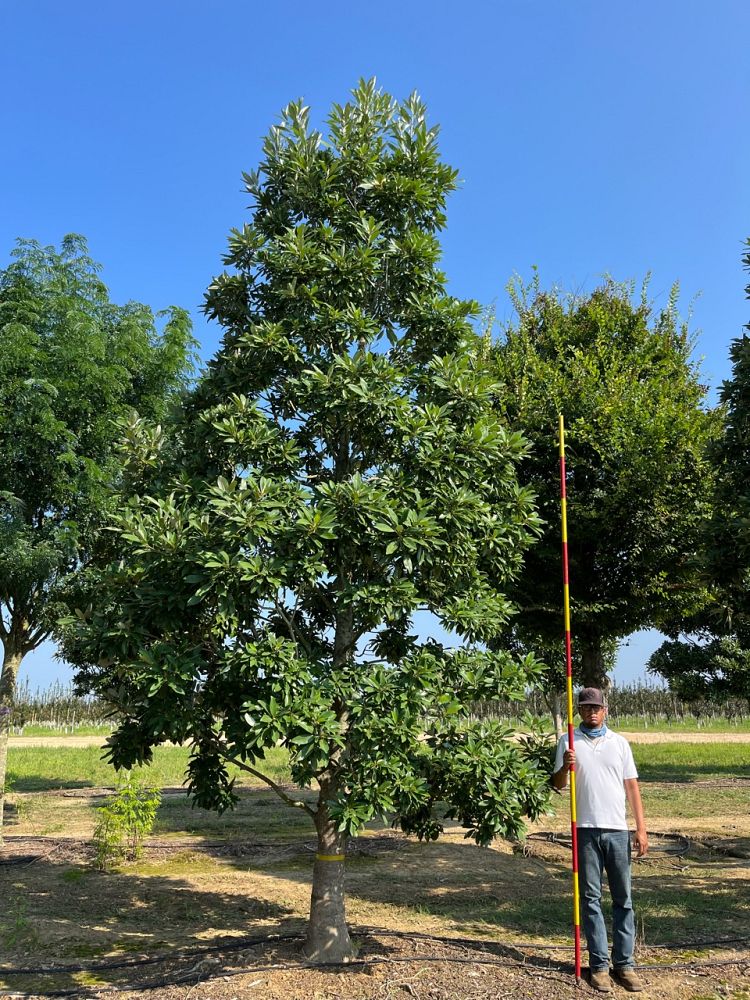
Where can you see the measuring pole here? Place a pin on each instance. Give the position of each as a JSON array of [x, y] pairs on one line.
[[569, 677]]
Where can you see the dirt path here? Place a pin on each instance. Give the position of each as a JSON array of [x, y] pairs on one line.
[[56, 741], [686, 737]]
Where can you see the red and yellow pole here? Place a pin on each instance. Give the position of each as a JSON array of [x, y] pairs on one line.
[[569, 679]]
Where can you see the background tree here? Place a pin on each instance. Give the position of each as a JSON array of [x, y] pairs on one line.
[[522, 641], [638, 487], [713, 671], [343, 467], [71, 365], [718, 666], [729, 539]]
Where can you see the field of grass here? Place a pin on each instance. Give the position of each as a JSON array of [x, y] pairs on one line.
[[61, 731], [692, 761], [38, 769]]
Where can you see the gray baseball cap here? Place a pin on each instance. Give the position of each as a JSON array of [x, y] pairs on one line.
[[590, 696]]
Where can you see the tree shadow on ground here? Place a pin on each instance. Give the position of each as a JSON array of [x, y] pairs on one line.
[[70, 914], [472, 891], [59, 909], [258, 815], [681, 772], [43, 783], [97, 929], [249, 872]]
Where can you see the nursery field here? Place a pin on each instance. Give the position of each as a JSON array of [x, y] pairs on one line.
[[216, 905]]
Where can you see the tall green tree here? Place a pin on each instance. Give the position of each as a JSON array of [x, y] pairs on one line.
[[638, 478], [343, 468], [713, 671], [718, 667], [71, 365], [729, 537]]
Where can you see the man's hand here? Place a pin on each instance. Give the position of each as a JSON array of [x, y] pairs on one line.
[[560, 778], [640, 843], [640, 840]]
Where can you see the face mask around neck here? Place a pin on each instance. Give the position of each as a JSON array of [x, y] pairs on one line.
[[593, 731]]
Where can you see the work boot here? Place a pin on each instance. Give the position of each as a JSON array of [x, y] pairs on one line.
[[629, 979], [599, 980]]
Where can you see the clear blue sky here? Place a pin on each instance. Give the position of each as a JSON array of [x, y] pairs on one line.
[[591, 137]]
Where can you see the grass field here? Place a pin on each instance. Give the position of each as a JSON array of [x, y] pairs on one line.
[[61, 731], [206, 878], [36, 769]]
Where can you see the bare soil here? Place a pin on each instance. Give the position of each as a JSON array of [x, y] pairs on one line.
[[56, 741], [209, 918]]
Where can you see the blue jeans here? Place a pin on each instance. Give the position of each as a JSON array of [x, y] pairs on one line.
[[607, 851]]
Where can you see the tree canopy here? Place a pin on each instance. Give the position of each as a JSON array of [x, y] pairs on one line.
[[711, 671], [638, 476], [343, 467], [719, 666], [72, 364], [729, 539]]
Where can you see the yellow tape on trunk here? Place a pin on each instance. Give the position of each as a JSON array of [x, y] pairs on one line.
[[330, 857]]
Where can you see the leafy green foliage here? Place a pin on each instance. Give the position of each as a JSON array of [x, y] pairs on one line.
[[341, 467], [729, 541], [71, 365], [638, 478], [714, 671], [720, 668], [125, 821]]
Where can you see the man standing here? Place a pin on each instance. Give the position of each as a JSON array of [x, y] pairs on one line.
[[605, 777]]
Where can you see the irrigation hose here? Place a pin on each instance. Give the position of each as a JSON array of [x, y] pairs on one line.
[[194, 978], [238, 944], [242, 943]]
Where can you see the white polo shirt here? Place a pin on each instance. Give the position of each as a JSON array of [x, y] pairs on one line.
[[602, 765]]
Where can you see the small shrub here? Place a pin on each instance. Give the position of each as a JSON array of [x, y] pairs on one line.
[[15, 930], [124, 822]]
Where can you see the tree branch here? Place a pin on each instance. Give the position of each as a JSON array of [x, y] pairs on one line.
[[297, 639], [35, 638], [295, 803], [288, 621]]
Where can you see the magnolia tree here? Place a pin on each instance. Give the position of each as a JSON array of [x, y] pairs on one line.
[[343, 467], [72, 365]]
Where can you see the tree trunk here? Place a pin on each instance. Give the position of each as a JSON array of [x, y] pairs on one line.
[[328, 940], [555, 704], [11, 662], [593, 664]]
